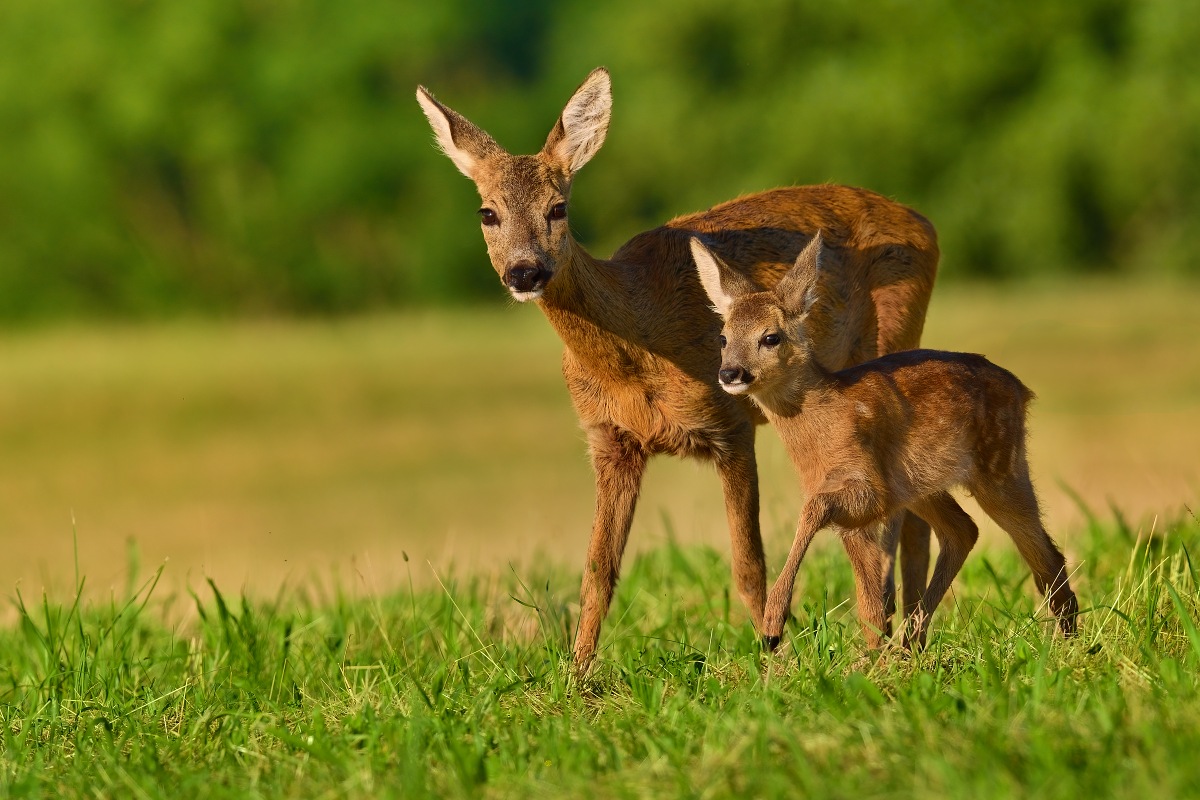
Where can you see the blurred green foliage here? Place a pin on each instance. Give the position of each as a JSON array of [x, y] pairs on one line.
[[262, 156]]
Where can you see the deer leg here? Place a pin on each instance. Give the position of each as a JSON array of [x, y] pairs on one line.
[[1014, 506], [619, 464], [914, 561], [739, 479], [816, 514], [870, 558], [957, 534]]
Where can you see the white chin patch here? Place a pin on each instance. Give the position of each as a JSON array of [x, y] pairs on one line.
[[525, 297], [736, 388]]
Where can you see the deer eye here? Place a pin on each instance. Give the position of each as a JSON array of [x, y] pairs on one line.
[[488, 217], [770, 340], [721, 339], [557, 211]]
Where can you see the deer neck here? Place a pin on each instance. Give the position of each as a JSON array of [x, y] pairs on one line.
[[587, 305]]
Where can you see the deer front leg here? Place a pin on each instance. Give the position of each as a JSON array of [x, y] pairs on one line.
[[739, 479], [619, 463]]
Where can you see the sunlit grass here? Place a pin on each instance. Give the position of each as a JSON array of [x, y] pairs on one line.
[[464, 689]]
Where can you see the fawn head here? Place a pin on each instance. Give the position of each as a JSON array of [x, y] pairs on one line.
[[764, 343], [525, 198]]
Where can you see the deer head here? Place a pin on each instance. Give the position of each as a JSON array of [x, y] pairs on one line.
[[764, 345], [526, 198]]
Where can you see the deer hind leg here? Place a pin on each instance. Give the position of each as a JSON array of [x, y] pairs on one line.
[[619, 464], [1013, 504], [871, 557], [914, 561], [739, 479], [956, 533]]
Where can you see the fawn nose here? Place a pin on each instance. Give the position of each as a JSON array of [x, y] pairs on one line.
[[526, 276], [733, 375]]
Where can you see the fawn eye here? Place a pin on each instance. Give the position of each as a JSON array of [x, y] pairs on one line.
[[770, 340], [721, 339], [488, 217], [557, 211]]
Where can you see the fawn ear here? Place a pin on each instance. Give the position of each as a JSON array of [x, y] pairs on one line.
[[459, 138], [797, 291], [583, 125], [721, 284]]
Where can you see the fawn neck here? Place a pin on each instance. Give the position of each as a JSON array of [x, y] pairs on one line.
[[805, 385]]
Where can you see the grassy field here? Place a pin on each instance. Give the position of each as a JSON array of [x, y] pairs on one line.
[[261, 454], [312, 566], [463, 690]]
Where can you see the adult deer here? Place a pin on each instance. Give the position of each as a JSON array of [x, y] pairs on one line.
[[639, 356], [897, 432]]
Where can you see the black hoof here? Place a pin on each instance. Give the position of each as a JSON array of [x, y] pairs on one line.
[[770, 643]]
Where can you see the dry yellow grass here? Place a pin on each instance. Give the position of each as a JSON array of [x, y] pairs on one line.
[[259, 453]]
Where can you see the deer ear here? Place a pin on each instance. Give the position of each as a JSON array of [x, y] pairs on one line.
[[721, 284], [797, 291], [583, 125], [458, 137]]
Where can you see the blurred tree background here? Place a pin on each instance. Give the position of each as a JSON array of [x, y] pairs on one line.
[[160, 157]]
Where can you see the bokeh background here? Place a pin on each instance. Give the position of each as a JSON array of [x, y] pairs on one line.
[[247, 322]]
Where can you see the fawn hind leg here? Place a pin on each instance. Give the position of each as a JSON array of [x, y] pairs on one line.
[[1013, 504], [956, 533]]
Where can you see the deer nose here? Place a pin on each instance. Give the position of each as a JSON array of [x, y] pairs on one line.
[[526, 276], [732, 375]]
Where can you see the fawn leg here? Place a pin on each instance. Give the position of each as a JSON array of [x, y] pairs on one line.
[[914, 561], [619, 464], [869, 550], [814, 516], [1013, 504], [957, 534], [739, 479]]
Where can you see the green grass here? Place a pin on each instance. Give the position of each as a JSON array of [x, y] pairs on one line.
[[464, 689]]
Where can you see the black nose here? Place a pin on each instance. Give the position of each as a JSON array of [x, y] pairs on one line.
[[526, 276], [730, 375]]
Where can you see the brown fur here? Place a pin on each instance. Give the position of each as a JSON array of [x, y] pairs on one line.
[[639, 356], [893, 434]]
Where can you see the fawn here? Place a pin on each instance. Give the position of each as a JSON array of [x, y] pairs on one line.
[[894, 433], [636, 329]]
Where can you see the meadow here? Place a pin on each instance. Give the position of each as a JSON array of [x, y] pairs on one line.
[[464, 690], [339, 559], [265, 453]]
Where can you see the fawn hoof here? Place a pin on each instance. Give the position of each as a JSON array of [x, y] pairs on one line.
[[770, 643]]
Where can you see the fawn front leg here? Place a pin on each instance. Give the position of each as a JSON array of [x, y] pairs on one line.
[[871, 551], [619, 463], [914, 561], [815, 515], [739, 479]]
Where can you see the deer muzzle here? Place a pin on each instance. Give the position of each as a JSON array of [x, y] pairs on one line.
[[526, 279], [735, 380]]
